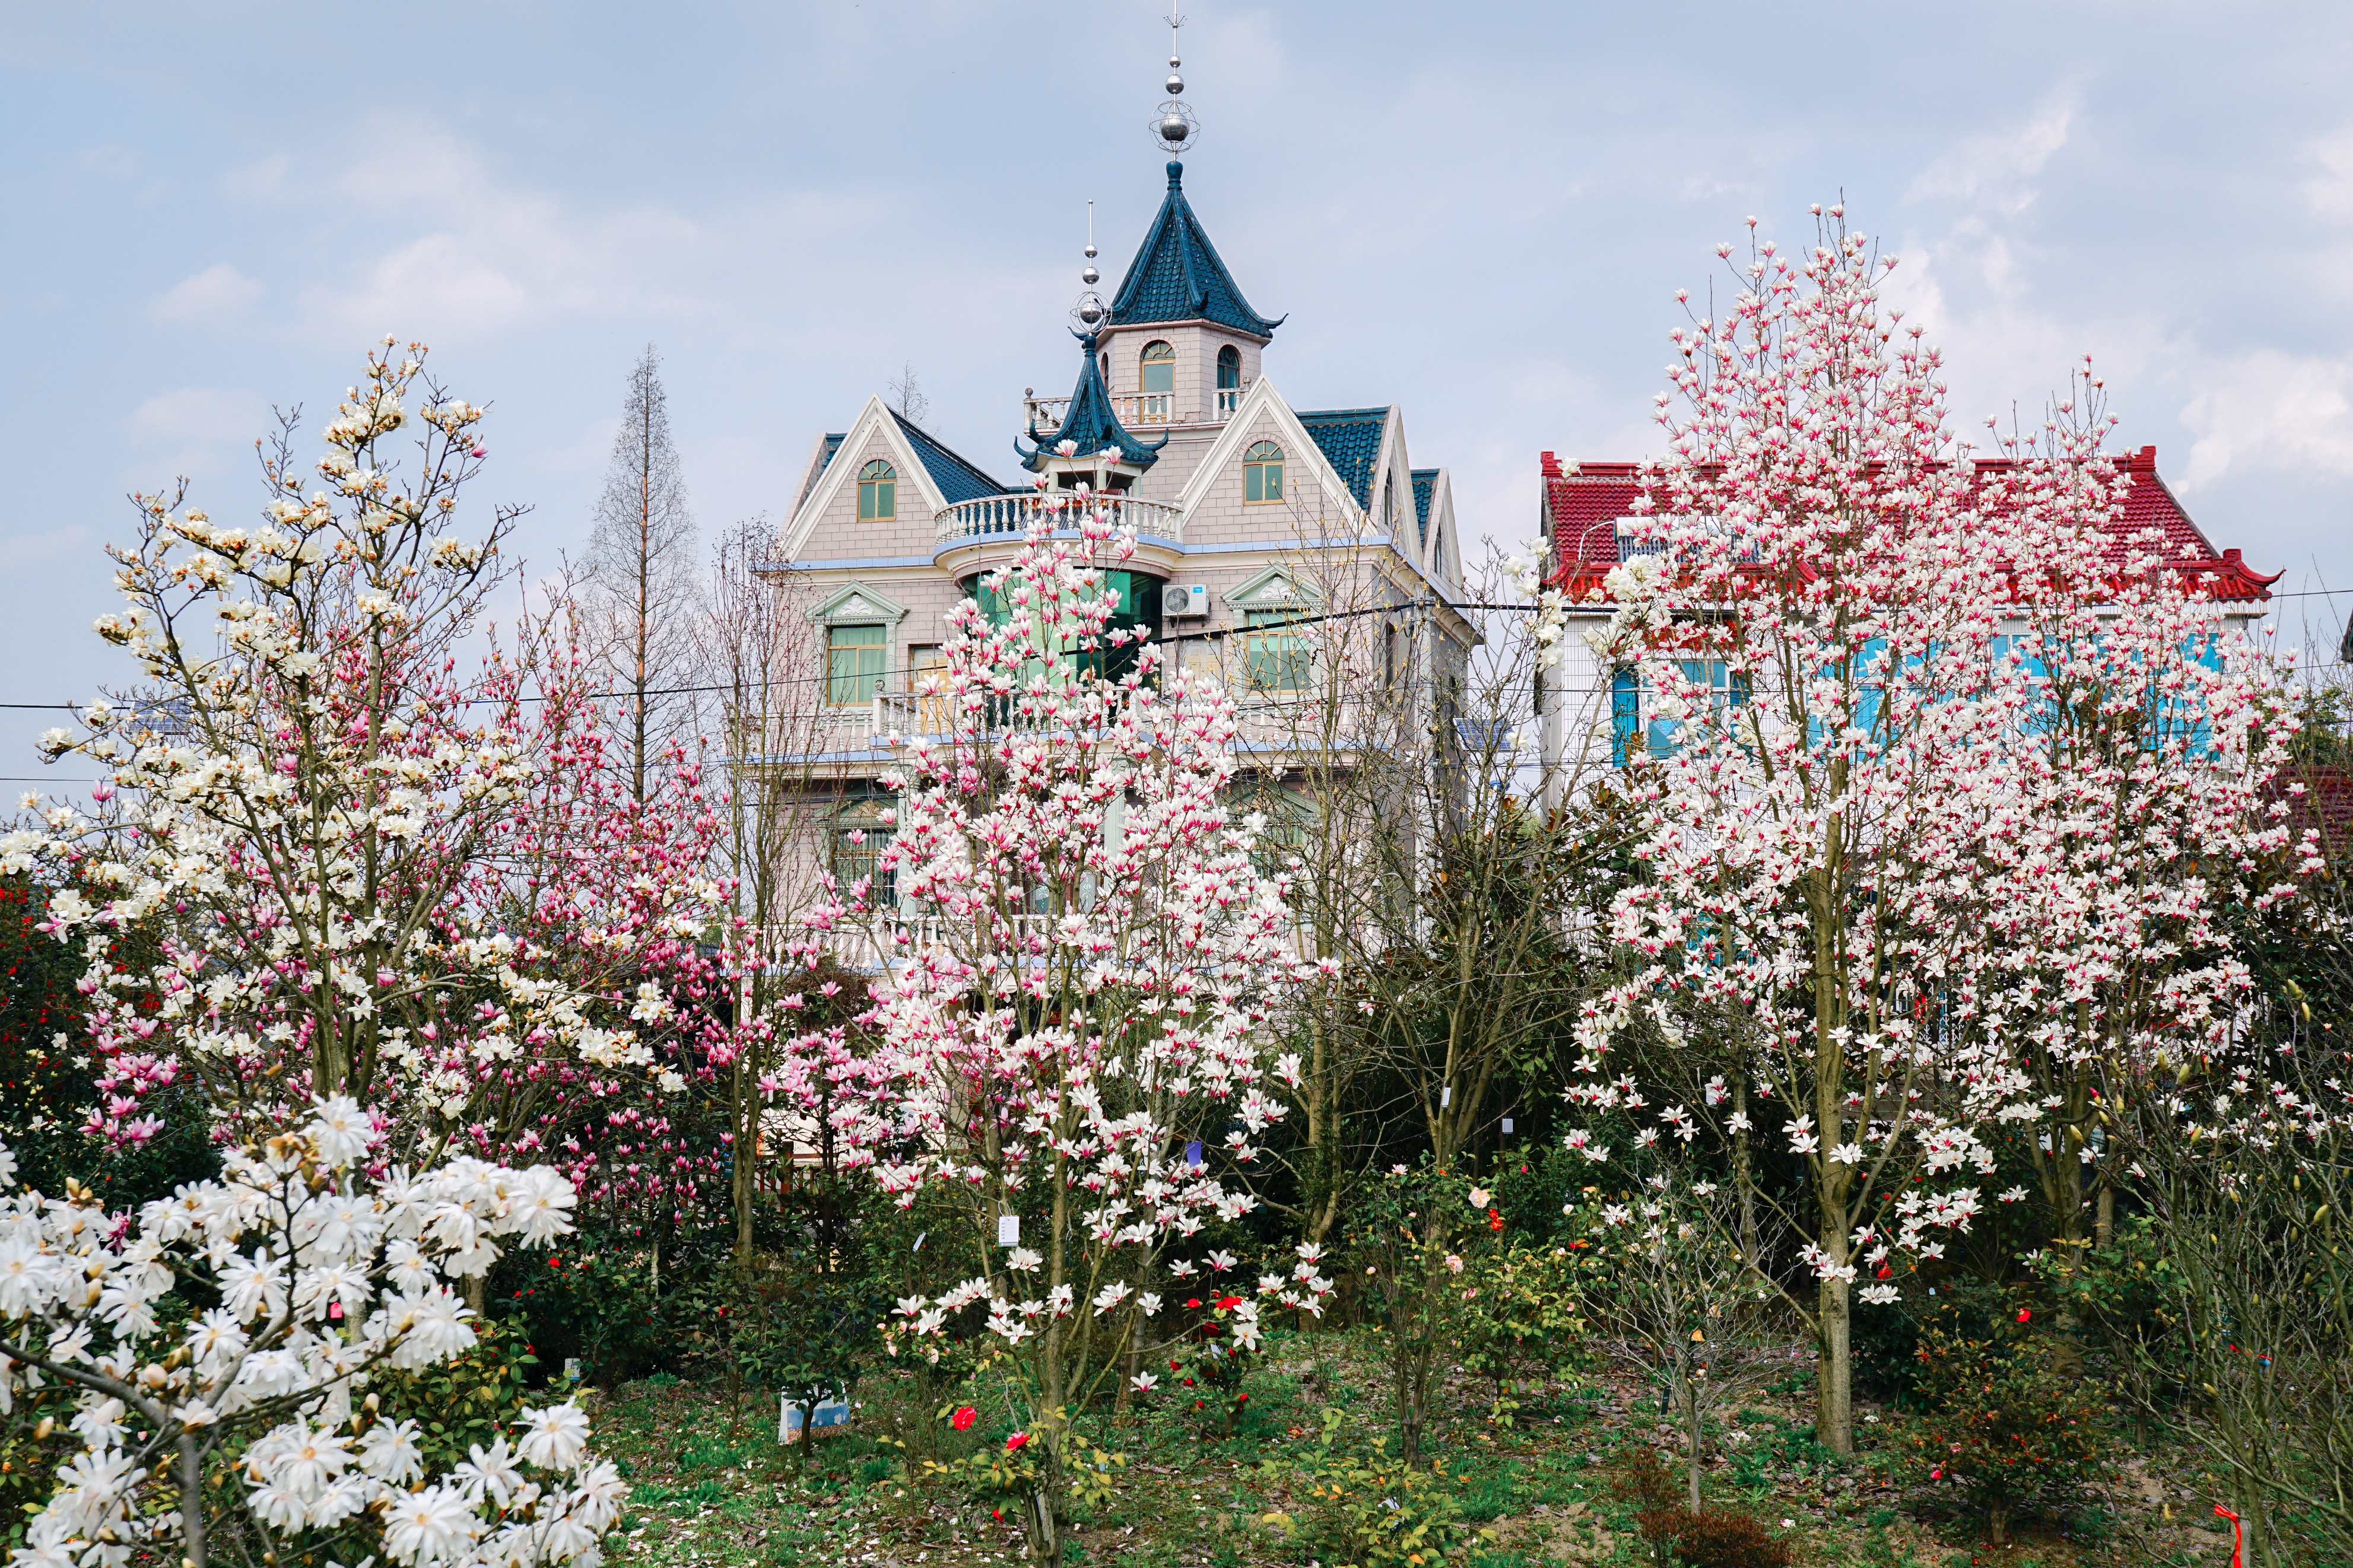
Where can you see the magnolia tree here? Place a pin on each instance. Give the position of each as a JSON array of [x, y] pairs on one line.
[[243, 1432], [2127, 809], [1811, 617], [372, 872], [1073, 1055]]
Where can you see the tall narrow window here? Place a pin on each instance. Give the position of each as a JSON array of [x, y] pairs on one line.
[[1229, 379], [1156, 380], [878, 492], [1262, 472], [1275, 657], [1158, 368], [856, 658]]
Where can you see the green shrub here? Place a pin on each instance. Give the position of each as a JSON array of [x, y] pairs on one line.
[[1368, 1510], [2005, 1425], [464, 1401]]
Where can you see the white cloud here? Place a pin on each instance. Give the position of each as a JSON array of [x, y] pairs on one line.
[[1995, 170], [220, 290], [492, 258], [2272, 410], [198, 414], [2330, 191]]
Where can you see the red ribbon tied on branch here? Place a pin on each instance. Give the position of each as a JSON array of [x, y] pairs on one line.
[[2235, 1544]]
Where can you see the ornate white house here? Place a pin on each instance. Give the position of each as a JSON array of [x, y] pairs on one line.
[[1250, 514]]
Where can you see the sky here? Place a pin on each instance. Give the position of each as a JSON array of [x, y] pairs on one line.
[[1480, 213]]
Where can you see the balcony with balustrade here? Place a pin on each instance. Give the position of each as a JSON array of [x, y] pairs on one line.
[[981, 534], [1136, 409]]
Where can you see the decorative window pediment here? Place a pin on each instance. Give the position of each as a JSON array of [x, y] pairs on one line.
[[1270, 589], [854, 603]]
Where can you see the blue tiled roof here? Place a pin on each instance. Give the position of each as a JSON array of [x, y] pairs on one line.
[[1351, 441], [1425, 485], [957, 479], [1090, 422], [1176, 276]]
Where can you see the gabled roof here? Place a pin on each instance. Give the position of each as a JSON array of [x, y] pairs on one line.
[[1351, 440], [1089, 423], [1584, 504], [1177, 277], [1425, 483], [958, 480]]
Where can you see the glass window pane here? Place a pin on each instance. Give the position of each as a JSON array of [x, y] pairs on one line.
[[1273, 484], [1253, 481], [855, 659]]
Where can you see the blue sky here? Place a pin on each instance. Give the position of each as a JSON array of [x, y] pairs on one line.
[[1480, 213]]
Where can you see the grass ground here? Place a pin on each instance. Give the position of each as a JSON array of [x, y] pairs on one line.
[[711, 1487]]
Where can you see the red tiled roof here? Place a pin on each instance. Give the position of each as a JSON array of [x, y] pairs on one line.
[[1585, 506]]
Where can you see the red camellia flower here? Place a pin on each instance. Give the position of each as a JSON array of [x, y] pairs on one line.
[[964, 1417], [1494, 1219], [2024, 1314], [1225, 1302], [1016, 1441], [1193, 1301]]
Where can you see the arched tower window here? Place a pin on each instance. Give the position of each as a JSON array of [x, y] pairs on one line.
[[878, 492], [1158, 368], [1229, 379], [1262, 472]]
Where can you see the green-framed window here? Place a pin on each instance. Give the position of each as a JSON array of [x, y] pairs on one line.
[[1275, 657], [878, 492], [856, 660], [1262, 472], [1157, 369]]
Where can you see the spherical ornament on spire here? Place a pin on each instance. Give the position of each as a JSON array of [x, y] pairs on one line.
[[1174, 128], [1089, 276], [1090, 310], [1174, 85]]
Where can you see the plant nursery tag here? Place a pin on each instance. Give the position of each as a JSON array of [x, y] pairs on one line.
[[1507, 1127], [919, 1241], [572, 1369], [1008, 1230], [1446, 1097], [1193, 1154]]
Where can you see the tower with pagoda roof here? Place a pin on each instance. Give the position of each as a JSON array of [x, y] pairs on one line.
[[1248, 514]]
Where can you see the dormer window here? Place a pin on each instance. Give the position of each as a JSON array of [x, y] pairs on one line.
[[878, 492], [1262, 472], [1229, 379]]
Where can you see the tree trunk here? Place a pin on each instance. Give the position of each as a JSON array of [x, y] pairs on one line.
[[1998, 1521], [1691, 1425], [1834, 1378]]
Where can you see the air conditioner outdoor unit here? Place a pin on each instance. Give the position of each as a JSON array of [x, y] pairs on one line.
[[1179, 600]]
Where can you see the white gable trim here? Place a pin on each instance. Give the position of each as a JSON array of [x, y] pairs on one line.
[[912, 476], [855, 603]]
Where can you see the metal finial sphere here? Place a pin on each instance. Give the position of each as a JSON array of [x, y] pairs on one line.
[[1089, 276], [1174, 128], [1173, 61], [1089, 311], [1175, 84], [1091, 253]]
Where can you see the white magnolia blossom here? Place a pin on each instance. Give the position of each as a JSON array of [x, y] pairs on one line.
[[324, 1272]]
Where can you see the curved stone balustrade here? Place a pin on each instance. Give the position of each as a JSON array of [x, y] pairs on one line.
[[994, 516]]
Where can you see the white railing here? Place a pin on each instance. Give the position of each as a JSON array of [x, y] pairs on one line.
[[1045, 414], [1263, 721], [1012, 515], [881, 941]]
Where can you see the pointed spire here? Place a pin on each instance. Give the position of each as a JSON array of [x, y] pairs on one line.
[[1089, 424], [1176, 276]]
